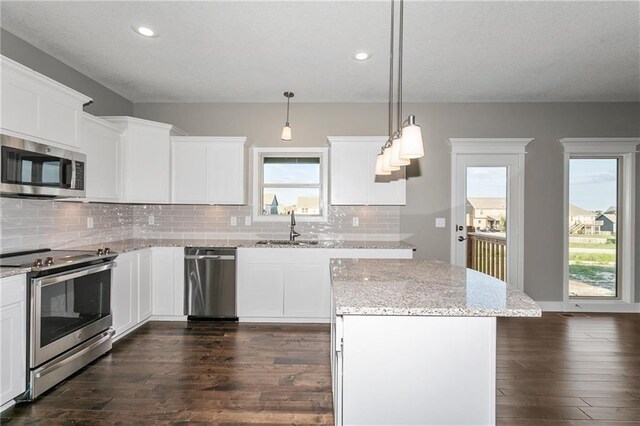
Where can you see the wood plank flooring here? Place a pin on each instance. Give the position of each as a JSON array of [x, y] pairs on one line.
[[557, 370]]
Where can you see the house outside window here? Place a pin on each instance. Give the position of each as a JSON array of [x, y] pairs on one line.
[[290, 180]]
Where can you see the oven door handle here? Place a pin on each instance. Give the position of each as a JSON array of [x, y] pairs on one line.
[[64, 276]]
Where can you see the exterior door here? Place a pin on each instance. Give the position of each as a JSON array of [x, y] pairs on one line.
[[487, 214]]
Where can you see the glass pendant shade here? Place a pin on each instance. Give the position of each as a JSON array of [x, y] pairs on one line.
[[412, 146], [396, 160], [386, 162], [379, 163], [286, 133]]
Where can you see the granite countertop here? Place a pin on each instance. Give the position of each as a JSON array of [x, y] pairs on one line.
[[124, 246], [423, 288]]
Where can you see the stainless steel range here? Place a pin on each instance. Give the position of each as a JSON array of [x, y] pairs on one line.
[[69, 315]]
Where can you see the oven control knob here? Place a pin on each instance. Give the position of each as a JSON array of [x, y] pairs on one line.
[[100, 252], [107, 250], [37, 263], [48, 261]]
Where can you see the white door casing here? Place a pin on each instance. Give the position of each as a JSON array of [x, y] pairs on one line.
[[490, 152]]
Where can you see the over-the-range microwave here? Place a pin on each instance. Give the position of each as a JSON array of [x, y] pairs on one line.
[[31, 169]]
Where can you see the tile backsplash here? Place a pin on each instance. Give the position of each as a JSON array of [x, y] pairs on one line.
[[27, 223]]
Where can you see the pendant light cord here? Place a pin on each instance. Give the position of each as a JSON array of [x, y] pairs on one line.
[[288, 99], [400, 58], [391, 40]]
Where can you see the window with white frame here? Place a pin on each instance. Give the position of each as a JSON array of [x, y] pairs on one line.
[[599, 219], [290, 180]]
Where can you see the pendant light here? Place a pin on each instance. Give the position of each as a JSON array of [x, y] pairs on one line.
[[286, 130], [406, 142]]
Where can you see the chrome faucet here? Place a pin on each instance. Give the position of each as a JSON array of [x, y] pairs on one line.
[[292, 233]]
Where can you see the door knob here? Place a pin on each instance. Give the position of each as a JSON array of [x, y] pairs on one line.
[[459, 227], [461, 238]]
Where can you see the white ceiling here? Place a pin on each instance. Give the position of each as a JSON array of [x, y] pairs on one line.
[[239, 51]]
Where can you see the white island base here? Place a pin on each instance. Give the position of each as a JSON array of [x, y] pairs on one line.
[[414, 370]]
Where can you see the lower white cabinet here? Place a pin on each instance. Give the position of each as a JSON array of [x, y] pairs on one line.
[[168, 281], [292, 284], [145, 283], [13, 332], [124, 292]]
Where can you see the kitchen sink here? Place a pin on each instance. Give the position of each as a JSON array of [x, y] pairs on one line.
[[286, 243]]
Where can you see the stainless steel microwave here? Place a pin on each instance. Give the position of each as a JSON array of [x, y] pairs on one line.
[[33, 169]]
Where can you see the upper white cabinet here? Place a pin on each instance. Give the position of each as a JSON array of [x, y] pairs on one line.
[[353, 179], [102, 146], [209, 170], [38, 108], [145, 159]]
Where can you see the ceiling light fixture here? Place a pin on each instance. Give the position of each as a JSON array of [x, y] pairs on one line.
[[286, 130], [406, 142], [361, 56], [144, 31]]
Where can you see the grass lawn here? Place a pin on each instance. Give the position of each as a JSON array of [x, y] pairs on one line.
[[598, 258], [609, 246]]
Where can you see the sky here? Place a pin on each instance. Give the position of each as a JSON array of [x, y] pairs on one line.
[[593, 183], [483, 182], [291, 173]]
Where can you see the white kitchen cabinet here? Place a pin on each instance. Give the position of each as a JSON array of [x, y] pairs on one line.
[[13, 332], [292, 284], [124, 292], [145, 285], [305, 292], [209, 170], [102, 143], [145, 159], [353, 179], [38, 108], [168, 281], [262, 291]]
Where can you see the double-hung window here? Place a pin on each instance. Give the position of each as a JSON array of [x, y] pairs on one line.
[[290, 180]]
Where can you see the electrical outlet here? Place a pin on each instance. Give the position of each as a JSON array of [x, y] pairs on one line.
[[89, 222], [356, 221], [247, 220], [234, 221], [152, 219], [440, 222]]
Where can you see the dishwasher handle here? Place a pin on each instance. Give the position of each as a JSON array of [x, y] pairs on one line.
[[210, 257]]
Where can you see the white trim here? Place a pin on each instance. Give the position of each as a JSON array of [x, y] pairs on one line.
[[285, 320], [364, 139], [172, 318], [204, 139], [126, 120], [603, 146], [488, 148], [292, 151], [51, 83], [489, 145], [135, 327], [7, 405], [624, 148]]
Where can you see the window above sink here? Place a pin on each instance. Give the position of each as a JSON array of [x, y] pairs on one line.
[[290, 179]]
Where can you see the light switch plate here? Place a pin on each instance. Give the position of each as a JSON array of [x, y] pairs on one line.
[[247, 220], [234, 221], [152, 219], [89, 222], [440, 222], [356, 221]]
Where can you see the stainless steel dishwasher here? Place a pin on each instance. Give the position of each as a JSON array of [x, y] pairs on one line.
[[210, 283]]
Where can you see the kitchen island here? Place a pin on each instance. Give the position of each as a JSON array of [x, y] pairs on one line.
[[414, 341]]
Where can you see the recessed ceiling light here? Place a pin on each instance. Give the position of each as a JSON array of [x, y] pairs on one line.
[[361, 56], [144, 31]]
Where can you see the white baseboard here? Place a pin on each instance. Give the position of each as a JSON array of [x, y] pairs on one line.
[[7, 405], [168, 318], [135, 327], [589, 306], [551, 306], [287, 320]]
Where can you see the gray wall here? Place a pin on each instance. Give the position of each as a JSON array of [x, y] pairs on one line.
[[105, 101], [428, 193]]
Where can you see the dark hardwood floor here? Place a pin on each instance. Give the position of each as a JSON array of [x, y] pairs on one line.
[[557, 370]]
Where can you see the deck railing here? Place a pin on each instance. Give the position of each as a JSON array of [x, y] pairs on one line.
[[487, 253]]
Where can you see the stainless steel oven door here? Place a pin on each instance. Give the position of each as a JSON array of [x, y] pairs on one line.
[[67, 309]]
